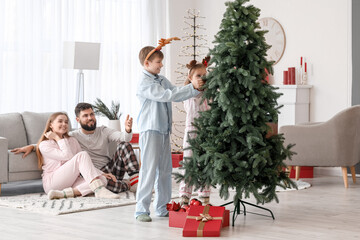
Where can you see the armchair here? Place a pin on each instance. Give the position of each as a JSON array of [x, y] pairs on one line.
[[334, 143]]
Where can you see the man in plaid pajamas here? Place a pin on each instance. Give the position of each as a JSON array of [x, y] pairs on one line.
[[96, 141]]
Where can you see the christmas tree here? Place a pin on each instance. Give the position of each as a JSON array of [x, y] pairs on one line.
[[231, 149]]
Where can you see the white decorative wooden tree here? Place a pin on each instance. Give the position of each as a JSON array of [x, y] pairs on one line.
[[194, 48]]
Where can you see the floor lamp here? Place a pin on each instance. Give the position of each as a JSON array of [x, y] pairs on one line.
[[81, 56]]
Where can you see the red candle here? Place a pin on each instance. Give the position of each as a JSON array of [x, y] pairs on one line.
[[301, 61], [286, 78], [305, 67], [291, 79]]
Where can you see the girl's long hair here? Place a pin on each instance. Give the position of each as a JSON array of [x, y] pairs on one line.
[[42, 138]]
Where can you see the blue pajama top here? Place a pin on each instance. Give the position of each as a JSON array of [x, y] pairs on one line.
[[156, 93]]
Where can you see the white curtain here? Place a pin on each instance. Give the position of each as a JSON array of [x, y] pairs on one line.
[[32, 33]]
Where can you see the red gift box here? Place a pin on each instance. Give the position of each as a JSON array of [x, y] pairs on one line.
[[305, 172], [226, 218], [203, 221], [135, 138], [177, 219], [176, 158]]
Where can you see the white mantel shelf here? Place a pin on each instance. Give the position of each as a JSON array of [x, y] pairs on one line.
[[296, 104]]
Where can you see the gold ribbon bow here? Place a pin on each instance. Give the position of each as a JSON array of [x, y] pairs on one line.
[[204, 217]]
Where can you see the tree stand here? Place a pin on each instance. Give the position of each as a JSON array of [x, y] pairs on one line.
[[237, 210]]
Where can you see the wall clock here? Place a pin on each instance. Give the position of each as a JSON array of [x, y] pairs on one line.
[[275, 38]]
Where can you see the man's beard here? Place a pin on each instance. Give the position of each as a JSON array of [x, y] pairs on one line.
[[88, 128]]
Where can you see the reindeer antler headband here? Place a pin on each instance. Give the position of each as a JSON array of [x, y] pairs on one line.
[[192, 64], [205, 61], [162, 42]]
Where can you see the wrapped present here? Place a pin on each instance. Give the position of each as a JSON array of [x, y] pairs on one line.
[[306, 172], [135, 138], [177, 219], [226, 219], [176, 158], [177, 214], [203, 221]]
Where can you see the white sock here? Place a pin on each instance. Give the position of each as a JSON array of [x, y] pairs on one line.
[[134, 179], [57, 194], [205, 200], [100, 190]]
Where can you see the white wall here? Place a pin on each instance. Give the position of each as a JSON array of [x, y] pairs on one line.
[[318, 30], [177, 11]]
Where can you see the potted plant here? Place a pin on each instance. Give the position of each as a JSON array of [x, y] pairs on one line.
[[112, 113]]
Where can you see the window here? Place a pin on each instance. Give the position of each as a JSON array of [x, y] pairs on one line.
[[32, 33]]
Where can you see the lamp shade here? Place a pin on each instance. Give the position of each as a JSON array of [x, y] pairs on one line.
[[81, 55]]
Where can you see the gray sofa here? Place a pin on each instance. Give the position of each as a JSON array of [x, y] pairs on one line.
[[18, 130]]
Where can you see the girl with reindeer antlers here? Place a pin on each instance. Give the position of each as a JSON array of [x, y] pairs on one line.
[[192, 108], [156, 93]]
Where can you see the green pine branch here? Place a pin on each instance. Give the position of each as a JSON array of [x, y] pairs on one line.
[[101, 109]]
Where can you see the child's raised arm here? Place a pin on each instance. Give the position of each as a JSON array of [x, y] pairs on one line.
[[152, 90]]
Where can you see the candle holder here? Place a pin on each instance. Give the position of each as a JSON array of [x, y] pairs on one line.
[[304, 79], [300, 72]]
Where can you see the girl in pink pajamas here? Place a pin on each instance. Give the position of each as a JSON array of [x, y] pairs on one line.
[[192, 107], [62, 161]]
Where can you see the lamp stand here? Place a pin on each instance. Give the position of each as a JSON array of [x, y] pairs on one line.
[[80, 87]]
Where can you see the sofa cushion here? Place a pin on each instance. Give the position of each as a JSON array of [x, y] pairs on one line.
[[34, 125], [19, 164], [12, 128]]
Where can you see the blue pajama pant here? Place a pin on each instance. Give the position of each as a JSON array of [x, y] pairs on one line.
[[155, 172]]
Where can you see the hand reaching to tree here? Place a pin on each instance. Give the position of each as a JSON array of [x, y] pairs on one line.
[[128, 123]]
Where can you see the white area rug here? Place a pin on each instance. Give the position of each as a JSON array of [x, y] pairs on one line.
[[299, 183], [38, 202]]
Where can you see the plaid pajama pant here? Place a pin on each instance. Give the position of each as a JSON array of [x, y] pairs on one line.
[[124, 160]]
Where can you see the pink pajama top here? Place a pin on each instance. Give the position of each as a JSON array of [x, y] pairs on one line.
[[192, 107], [56, 154]]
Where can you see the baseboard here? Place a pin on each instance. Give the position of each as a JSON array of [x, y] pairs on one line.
[[327, 171], [330, 171], [318, 171]]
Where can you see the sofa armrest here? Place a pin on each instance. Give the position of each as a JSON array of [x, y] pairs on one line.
[[309, 123], [4, 163]]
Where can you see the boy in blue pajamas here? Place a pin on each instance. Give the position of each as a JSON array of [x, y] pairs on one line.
[[156, 93]]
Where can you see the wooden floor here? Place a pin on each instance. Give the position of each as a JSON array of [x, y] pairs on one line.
[[325, 211]]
